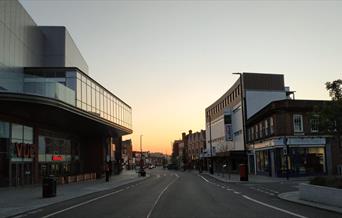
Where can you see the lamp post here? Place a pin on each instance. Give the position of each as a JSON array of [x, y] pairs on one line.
[[244, 118], [141, 158], [244, 111], [211, 169]]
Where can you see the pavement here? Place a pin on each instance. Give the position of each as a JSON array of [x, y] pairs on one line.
[[291, 196], [294, 197], [176, 194], [235, 178], [17, 200]]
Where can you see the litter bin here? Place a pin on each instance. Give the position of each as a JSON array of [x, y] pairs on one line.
[[243, 172], [142, 173], [49, 186]]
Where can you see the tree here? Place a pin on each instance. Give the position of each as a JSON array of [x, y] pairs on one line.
[[330, 115]]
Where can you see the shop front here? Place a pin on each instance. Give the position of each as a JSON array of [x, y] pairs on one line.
[[58, 154], [301, 159], [17, 152]]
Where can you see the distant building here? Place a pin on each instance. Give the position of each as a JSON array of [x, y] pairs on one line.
[[157, 158], [195, 146]]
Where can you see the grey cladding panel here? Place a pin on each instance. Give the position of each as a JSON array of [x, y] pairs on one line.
[[259, 81]]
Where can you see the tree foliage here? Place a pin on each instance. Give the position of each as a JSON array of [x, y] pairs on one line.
[[330, 115]]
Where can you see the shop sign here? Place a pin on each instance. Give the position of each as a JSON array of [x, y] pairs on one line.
[[57, 157], [23, 150]]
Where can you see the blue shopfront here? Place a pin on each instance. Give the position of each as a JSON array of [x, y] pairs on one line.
[[302, 157]]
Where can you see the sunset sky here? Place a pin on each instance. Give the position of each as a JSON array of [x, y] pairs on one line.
[[169, 60]]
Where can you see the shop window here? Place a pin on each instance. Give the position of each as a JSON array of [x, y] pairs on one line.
[[17, 133], [298, 123], [28, 135], [4, 130]]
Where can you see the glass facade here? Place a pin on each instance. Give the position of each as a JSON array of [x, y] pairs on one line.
[[78, 89], [301, 161]]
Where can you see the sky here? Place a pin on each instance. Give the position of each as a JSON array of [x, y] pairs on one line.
[[169, 60]]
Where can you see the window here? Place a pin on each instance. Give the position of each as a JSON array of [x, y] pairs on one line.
[[298, 123], [256, 132], [252, 133], [271, 126], [4, 130], [314, 123], [261, 130], [17, 133], [266, 128]]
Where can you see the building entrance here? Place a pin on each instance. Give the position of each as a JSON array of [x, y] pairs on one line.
[[21, 174]]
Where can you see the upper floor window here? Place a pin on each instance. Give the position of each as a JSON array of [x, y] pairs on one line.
[[271, 126], [252, 133], [256, 131], [298, 123], [314, 125], [266, 128]]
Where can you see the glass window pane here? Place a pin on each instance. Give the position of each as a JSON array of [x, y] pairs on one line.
[[88, 95], [79, 89], [17, 131], [28, 134], [4, 129], [84, 92], [93, 96]]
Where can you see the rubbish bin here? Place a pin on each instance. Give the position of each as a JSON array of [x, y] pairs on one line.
[[49, 186], [243, 172]]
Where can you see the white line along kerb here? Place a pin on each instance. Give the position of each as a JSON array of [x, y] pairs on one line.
[[83, 203], [273, 207]]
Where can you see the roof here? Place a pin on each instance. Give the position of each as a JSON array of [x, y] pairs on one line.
[[287, 104]]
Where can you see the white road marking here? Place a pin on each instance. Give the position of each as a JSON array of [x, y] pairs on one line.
[[273, 207], [159, 196], [83, 203], [229, 189], [176, 175], [204, 179], [237, 192]]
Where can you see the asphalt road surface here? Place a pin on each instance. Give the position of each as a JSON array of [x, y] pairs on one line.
[[183, 194]]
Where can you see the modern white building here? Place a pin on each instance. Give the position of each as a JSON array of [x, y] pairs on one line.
[[225, 118]]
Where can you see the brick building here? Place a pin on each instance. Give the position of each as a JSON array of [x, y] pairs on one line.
[[195, 145], [290, 128]]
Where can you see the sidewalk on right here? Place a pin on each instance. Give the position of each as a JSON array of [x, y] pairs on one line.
[[294, 197], [235, 178]]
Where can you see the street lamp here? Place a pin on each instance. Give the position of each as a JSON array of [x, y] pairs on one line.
[[211, 169], [244, 110], [141, 158]]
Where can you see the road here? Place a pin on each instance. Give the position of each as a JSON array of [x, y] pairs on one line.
[[182, 194]]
